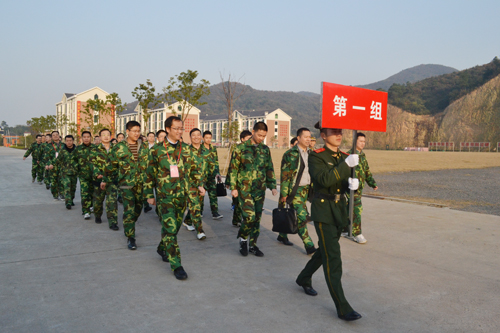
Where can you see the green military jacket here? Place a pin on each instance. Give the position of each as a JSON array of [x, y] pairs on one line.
[[290, 165], [363, 172], [36, 152], [124, 168], [213, 161], [201, 156], [100, 159], [252, 168], [53, 152], [158, 171], [83, 153], [67, 161], [45, 152], [329, 174]]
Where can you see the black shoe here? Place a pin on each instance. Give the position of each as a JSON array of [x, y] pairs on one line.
[[308, 290], [68, 206], [310, 250], [350, 316], [98, 220], [217, 216], [162, 254], [47, 187], [131, 243], [244, 247], [114, 227], [255, 251], [180, 273], [147, 209], [284, 241], [72, 204], [120, 200]]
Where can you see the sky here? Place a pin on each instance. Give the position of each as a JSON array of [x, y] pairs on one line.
[[48, 48]]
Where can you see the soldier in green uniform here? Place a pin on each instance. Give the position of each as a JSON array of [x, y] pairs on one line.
[[237, 215], [54, 149], [128, 160], [45, 153], [100, 159], [83, 153], [173, 171], [212, 176], [330, 169], [251, 172], [363, 174], [295, 186], [67, 164], [35, 150], [151, 141], [193, 218]]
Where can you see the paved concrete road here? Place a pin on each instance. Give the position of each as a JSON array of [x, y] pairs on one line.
[[423, 270]]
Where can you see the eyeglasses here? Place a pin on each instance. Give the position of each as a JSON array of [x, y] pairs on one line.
[[180, 129]]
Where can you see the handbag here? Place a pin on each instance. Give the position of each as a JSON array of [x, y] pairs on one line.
[[221, 189], [285, 220]]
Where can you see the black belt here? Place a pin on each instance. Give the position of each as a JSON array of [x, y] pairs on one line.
[[333, 197]]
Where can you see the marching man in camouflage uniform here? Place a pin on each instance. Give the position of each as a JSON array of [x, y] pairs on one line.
[[363, 174], [251, 172], [36, 152], [173, 171], [83, 153], [330, 169], [127, 163], [67, 164], [200, 154], [54, 149], [45, 153], [100, 157], [213, 174], [294, 190]]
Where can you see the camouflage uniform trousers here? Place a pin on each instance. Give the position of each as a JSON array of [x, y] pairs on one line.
[[251, 206], [194, 212], [211, 188], [299, 204], [87, 194], [132, 206], [237, 214], [172, 211], [68, 184], [358, 209], [110, 193], [55, 185], [47, 180], [37, 170]]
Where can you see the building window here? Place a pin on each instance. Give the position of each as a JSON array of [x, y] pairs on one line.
[[275, 123], [276, 116], [96, 97]]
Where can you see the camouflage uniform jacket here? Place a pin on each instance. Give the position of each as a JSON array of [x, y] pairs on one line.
[[100, 158], [35, 150], [363, 172], [213, 161], [45, 152], [67, 161], [124, 168], [252, 168], [290, 165], [200, 156], [83, 153], [53, 148], [158, 171]]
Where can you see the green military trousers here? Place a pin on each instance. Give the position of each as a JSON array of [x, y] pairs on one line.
[[37, 170], [171, 211], [358, 209], [299, 204], [237, 214], [68, 183], [87, 194], [132, 206], [251, 207], [193, 216], [55, 185], [328, 255], [110, 193], [211, 188]]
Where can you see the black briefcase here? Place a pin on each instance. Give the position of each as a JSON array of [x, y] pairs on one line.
[[285, 220], [221, 190]]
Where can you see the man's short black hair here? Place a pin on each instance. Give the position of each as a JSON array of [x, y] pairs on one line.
[[359, 135], [48, 134], [38, 136], [260, 126], [54, 132], [194, 130], [207, 133], [151, 133], [84, 132], [104, 129], [131, 124], [170, 120], [120, 134], [160, 131], [302, 129], [244, 134], [292, 142], [69, 136]]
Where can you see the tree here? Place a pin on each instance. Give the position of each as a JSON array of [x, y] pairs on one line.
[[95, 109], [231, 135], [230, 94], [182, 89], [145, 95], [42, 124], [4, 124]]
